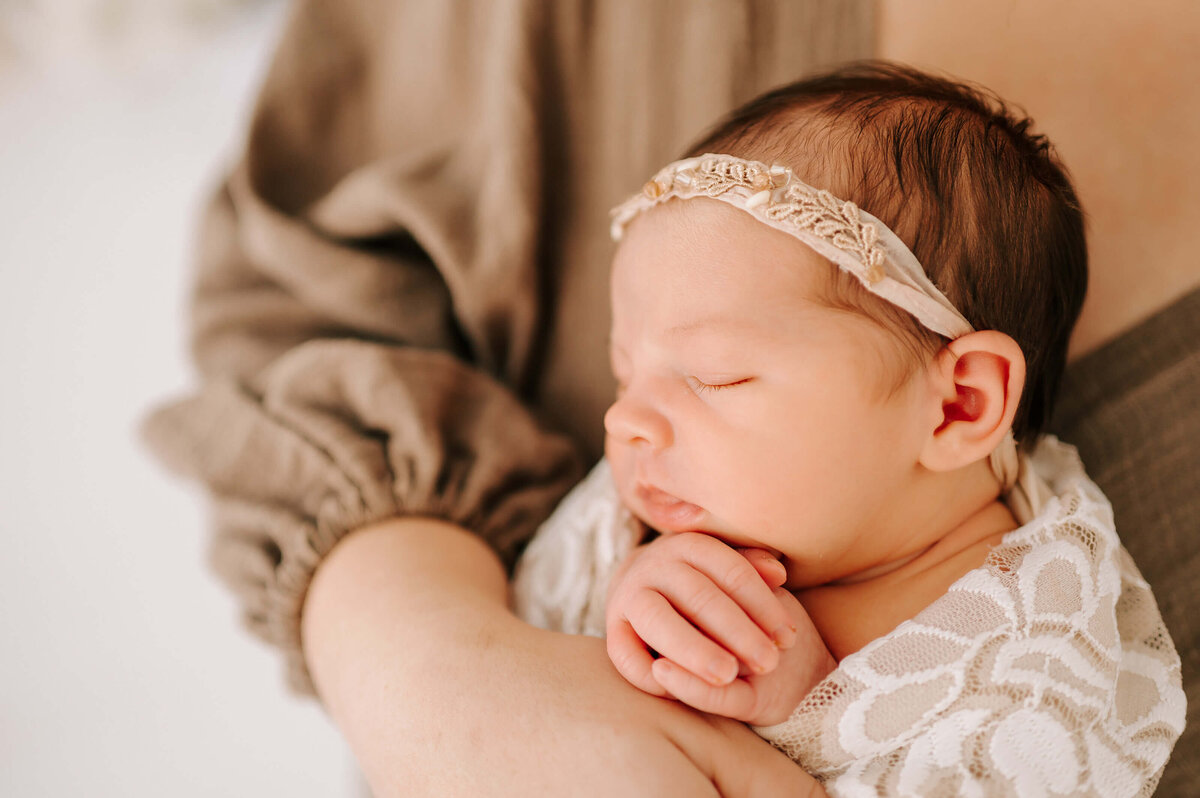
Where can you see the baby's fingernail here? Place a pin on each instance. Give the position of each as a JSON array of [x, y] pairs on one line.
[[777, 567], [785, 636], [721, 673], [763, 661]]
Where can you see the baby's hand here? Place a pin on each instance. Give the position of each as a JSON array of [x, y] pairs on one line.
[[761, 699], [707, 609]]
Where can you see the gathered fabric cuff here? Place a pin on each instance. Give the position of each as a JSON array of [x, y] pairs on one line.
[[339, 434]]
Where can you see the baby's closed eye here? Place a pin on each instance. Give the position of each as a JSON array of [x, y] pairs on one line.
[[715, 383]]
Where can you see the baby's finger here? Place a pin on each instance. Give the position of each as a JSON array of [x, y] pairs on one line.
[[660, 626], [630, 657], [735, 700], [769, 568], [696, 597], [734, 574]]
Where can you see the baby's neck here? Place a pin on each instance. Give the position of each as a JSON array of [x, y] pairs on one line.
[[853, 611]]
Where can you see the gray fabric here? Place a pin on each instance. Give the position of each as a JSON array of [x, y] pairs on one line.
[[1133, 410]]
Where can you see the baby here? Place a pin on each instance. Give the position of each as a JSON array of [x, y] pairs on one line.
[[813, 515]]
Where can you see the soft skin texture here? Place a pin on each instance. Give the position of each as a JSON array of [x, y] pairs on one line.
[[752, 414], [736, 387]]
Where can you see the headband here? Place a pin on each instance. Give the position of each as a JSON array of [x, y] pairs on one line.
[[854, 240]]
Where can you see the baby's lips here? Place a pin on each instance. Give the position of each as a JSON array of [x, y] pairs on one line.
[[664, 511]]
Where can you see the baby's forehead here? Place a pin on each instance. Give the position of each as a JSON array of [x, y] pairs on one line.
[[700, 226], [693, 244], [751, 304], [698, 272]]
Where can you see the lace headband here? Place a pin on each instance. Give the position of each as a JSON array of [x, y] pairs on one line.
[[853, 239]]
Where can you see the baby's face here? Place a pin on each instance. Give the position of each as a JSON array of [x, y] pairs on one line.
[[745, 408]]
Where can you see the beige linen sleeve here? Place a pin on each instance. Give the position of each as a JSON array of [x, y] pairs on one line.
[[367, 299]]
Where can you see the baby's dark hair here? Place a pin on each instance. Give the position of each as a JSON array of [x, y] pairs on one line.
[[983, 202]]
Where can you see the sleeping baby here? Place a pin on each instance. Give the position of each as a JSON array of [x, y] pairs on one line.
[[827, 507]]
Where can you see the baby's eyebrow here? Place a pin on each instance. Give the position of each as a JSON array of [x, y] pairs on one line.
[[718, 323]]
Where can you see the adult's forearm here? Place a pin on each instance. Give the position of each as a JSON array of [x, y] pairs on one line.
[[381, 620], [440, 690]]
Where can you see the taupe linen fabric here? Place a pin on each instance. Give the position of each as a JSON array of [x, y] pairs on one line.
[[1131, 409], [401, 302]]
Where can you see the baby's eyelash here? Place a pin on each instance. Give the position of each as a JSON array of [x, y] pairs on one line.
[[700, 387]]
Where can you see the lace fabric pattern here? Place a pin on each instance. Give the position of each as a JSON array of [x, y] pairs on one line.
[[1048, 671], [819, 212]]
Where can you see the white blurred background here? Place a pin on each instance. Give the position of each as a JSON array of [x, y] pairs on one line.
[[123, 668]]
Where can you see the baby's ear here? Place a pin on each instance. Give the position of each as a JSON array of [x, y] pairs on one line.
[[978, 380]]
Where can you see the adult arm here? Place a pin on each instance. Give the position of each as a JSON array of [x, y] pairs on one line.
[[547, 716]]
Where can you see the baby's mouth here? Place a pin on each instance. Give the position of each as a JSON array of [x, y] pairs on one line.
[[665, 512]]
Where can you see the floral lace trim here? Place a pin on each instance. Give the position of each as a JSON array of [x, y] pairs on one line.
[[785, 201]]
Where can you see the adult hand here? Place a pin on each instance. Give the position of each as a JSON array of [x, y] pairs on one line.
[[440, 690]]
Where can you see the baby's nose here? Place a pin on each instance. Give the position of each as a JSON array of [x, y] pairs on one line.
[[632, 420]]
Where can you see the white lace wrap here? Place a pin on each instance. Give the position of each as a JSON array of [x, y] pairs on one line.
[[1048, 671]]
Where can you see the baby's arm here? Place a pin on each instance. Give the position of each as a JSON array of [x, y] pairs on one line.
[[729, 639]]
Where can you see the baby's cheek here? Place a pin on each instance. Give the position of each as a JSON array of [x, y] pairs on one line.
[[757, 498]]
